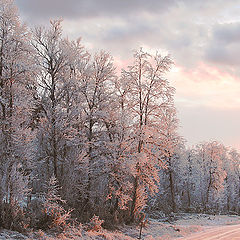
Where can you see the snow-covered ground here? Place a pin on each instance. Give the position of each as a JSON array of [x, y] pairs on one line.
[[185, 226], [230, 232]]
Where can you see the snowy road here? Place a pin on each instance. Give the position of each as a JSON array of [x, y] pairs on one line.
[[220, 233]]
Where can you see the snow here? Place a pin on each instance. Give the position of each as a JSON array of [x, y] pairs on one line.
[[216, 233], [7, 234], [184, 226], [161, 230], [207, 220]]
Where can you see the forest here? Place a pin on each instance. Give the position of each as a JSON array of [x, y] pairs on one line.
[[82, 142]]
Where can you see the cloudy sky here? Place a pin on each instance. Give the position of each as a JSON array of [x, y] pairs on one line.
[[203, 38]]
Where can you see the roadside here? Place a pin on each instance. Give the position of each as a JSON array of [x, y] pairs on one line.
[[175, 227]]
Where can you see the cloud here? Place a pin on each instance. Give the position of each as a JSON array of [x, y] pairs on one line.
[[206, 86], [223, 47], [75, 9], [169, 31], [179, 26], [227, 33]]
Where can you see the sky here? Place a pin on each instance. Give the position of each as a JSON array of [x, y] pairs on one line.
[[202, 37]]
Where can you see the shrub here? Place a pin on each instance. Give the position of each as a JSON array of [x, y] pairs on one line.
[[95, 224], [55, 214]]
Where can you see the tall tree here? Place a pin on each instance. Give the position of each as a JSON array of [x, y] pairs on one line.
[[55, 112], [210, 158], [149, 93], [15, 93], [95, 80], [170, 146]]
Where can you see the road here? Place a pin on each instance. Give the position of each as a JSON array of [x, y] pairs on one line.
[[231, 232]]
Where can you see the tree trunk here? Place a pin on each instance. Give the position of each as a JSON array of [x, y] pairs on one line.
[[188, 196], [172, 191], [133, 206]]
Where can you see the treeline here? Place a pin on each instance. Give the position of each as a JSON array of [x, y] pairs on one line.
[[77, 139], [202, 179]]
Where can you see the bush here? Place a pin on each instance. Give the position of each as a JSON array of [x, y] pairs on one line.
[[14, 218], [95, 224], [55, 214]]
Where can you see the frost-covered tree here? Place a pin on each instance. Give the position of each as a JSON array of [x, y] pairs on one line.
[[207, 177], [230, 194], [55, 214], [15, 94], [171, 144], [187, 178], [120, 165], [56, 111], [149, 93], [95, 80], [210, 159]]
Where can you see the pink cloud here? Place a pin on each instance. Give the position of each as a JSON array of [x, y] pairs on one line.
[[206, 86]]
